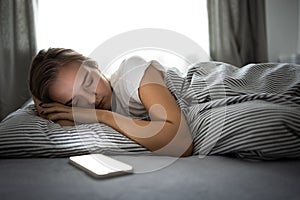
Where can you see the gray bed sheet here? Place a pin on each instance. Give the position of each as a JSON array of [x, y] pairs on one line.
[[212, 177]]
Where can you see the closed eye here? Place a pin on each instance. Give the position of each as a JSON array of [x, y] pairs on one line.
[[89, 82]]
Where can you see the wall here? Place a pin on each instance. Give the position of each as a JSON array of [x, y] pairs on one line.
[[282, 28]]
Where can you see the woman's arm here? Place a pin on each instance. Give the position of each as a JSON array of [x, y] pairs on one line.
[[167, 133], [62, 122]]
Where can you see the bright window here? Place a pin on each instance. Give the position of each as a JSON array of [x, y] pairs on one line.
[[84, 24]]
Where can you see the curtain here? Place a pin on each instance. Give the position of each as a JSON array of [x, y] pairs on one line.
[[17, 46], [237, 30]]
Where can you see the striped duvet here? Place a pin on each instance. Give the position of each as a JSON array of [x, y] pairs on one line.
[[251, 112]]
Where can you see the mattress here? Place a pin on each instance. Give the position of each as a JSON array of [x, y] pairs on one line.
[[211, 177]]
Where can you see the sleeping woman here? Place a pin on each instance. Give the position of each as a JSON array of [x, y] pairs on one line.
[[69, 88]]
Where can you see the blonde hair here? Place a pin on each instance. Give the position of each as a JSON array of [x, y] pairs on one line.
[[44, 68]]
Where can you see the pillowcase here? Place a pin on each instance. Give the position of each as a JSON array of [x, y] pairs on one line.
[[24, 134]]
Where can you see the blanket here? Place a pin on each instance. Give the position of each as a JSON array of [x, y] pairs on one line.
[[251, 112]]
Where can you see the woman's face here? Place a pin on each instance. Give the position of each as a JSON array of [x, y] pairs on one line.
[[81, 86]]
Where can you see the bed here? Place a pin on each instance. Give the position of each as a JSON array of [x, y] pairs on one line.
[[245, 125], [214, 177]]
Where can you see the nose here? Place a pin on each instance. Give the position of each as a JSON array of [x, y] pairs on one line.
[[91, 98]]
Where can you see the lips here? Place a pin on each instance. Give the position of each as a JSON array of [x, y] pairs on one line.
[[99, 103]]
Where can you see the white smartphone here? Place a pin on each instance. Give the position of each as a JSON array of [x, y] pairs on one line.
[[100, 166]]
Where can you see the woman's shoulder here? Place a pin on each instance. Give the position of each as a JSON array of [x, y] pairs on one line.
[[130, 66], [135, 60], [133, 68]]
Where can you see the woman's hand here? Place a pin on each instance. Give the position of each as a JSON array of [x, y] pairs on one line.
[[37, 103], [57, 111], [62, 122]]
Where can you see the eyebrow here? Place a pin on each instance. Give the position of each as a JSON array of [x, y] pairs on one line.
[[84, 80]]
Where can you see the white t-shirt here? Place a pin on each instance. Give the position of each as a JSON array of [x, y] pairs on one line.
[[126, 82]]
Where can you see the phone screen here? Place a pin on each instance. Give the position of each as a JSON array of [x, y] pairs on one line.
[[99, 165]]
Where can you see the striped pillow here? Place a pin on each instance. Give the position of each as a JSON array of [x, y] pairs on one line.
[[24, 134]]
